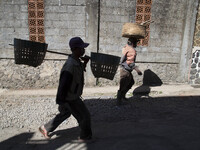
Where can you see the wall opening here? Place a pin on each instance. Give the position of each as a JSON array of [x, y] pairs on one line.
[[36, 20], [143, 13]]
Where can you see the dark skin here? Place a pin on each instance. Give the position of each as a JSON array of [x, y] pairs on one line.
[[133, 42], [78, 53]]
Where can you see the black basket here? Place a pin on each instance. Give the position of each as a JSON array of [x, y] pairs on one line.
[[104, 65], [29, 52]]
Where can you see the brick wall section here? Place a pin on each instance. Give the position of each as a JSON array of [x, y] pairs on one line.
[[36, 20], [143, 13]]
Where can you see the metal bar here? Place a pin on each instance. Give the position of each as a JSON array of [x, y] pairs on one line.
[[98, 32]]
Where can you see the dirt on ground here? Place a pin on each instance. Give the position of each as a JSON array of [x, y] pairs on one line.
[[154, 118]]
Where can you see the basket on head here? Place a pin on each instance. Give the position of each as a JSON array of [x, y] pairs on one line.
[[104, 65], [29, 52], [133, 30]]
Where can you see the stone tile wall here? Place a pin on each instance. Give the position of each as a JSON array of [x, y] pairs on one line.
[[24, 77], [195, 63], [195, 68], [47, 75]]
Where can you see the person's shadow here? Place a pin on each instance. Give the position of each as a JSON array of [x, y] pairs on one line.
[[150, 79], [24, 141]]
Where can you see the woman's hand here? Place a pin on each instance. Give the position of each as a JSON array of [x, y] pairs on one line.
[[138, 71]]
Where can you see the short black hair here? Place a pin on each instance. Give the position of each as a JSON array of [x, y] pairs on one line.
[[132, 40]]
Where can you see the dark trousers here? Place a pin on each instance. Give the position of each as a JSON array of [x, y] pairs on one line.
[[126, 83], [78, 109]]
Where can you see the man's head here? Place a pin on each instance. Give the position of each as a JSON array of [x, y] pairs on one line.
[[78, 46], [133, 41]]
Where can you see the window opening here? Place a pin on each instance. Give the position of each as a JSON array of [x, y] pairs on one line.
[[36, 20], [143, 13]]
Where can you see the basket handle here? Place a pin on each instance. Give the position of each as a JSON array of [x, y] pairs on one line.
[[147, 22]]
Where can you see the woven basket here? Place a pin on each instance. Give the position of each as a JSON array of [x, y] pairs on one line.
[[29, 52], [103, 65], [133, 30]]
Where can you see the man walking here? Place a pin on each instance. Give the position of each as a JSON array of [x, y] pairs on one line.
[[69, 93]]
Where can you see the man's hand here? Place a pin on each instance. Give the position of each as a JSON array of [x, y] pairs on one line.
[[139, 73], [85, 59]]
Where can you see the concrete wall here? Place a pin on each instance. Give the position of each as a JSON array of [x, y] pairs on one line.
[[168, 51], [63, 19], [170, 42], [13, 23]]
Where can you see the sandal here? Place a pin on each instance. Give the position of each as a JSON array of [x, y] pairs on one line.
[[44, 132]]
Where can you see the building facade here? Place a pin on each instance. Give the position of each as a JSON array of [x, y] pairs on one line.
[[170, 48]]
